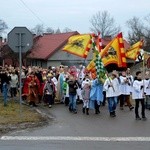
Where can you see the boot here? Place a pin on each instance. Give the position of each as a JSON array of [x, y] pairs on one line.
[[112, 114], [144, 118], [137, 118], [83, 110], [87, 111], [96, 112], [131, 107]]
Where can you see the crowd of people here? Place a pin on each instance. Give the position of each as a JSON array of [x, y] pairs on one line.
[[66, 85]]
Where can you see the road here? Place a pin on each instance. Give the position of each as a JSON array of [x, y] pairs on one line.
[[69, 131]]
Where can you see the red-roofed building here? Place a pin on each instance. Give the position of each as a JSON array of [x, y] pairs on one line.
[[47, 51], [107, 39]]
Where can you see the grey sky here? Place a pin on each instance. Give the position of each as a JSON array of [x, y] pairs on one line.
[[74, 14]]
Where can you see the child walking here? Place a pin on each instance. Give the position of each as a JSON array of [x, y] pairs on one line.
[[49, 90], [86, 95], [111, 86]]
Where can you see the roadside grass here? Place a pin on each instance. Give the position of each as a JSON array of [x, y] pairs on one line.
[[14, 114]]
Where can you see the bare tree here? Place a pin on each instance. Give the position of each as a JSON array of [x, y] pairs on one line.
[[38, 29], [147, 26], [105, 24], [50, 30], [58, 31], [139, 29], [66, 30], [147, 32], [3, 26], [136, 30]]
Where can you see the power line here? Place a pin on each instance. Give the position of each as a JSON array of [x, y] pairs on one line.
[[32, 11]]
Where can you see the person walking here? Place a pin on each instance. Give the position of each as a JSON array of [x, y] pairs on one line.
[[5, 83], [49, 90], [125, 89], [86, 95], [73, 85], [96, 94], [147, 90], [138, 95], [111, 86], [13, 84]]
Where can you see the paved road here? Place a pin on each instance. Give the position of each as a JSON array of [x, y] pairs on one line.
[[70, 131]]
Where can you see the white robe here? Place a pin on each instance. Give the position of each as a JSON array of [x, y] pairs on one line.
[[147, 86], [125, 88], [112, 91], [138, 93]]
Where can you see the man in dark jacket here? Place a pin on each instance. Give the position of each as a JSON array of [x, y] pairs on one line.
[[73, 85], [4, 85]]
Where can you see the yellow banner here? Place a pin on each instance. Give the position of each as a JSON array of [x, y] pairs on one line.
[[114, 52], [134, 50], [78, 45]]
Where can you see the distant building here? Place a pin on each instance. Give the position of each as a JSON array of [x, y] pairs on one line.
[[47, 51]]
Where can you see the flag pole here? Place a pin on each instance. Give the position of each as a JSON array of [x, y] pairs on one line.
[[143, 67], [110, 81], [97, 50]]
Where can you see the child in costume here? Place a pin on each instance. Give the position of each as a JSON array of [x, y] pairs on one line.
[[86, 86]]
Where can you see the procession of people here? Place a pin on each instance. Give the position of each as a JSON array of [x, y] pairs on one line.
[[67, 85]]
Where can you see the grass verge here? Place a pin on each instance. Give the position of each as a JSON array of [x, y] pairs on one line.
[[14, 117]]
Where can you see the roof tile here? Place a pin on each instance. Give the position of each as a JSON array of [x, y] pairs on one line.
[[47, 44]]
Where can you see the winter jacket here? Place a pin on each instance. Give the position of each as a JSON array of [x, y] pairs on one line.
[[73, 85]]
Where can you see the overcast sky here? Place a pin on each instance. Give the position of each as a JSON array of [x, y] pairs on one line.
[[74, 14]]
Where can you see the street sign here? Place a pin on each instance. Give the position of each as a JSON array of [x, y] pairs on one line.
[[20, 40], [20, 37]]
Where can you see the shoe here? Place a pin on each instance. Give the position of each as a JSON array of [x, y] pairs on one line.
[[75, 112], [144, 118], [87, 111], [138, 118], [112, 114], [50, 106], [83, 110], [70, 109], [131, 108], [96, 112]]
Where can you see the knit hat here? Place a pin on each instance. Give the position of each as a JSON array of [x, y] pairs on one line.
[[49, 75], [44, 78]]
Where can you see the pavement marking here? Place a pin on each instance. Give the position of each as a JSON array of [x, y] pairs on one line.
[[72, 138]]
